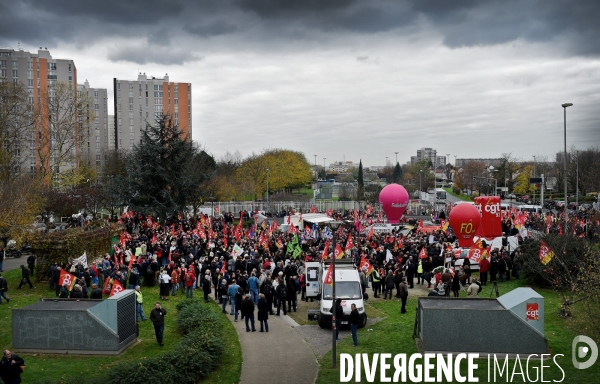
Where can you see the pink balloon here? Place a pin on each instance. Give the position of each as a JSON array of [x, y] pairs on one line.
[[393, 199]]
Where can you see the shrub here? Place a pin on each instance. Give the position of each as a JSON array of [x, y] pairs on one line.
[[192, 359], [456, 190]]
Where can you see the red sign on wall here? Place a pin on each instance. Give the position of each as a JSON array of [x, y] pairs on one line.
[[533, 312]]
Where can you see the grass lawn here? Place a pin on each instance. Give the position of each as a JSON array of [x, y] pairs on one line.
[[394, 335], [70, 368], [461, 196]]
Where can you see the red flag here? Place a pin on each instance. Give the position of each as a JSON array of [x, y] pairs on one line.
[[476, 251], [121, 258], [457, 253], [401, 243], [546, 254], [329, 275], [420, 226], [116, 288], [423, 253], [66, 278], [289, 220], [279, 243], [131, 259], [225, 241], [364, 263], [154, 239], [330, 212], [371, 233], [106, 289], [349, 243], [313, 209], [223, 270], [339, 253], [274, 226], [325, 251]]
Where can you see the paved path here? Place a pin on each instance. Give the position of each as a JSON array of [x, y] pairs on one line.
[[282, 355], [11, 263]]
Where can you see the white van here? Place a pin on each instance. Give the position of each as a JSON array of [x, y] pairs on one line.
[[530, 208], [347, 288]]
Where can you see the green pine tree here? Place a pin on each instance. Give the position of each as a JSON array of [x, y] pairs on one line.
[[360, 190], [397, 175]]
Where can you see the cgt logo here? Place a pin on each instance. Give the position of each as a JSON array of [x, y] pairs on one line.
[[533, 312], [494, 209], [580, 351]]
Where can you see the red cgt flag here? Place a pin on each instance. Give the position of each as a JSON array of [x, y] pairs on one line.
[[423, 253], [329, 276], [66, 278], [116, 288], [364, 263], [339, 253], [349, 243], [325, 251]]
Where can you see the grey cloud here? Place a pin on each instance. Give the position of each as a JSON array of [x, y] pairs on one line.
[[214, 28], [153, 54]]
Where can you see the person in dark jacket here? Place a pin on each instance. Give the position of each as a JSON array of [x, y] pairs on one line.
[[281, 294], [3, 289], [206, 286], [248, 312], [354, 320], [388, 284], [76, 293], [455, 284], [263, 313], [96, 292], [403, 292], [239, 298], [11, 367], [64, 292], [157, 316], [339, 313], [410, 272], [25, 277], [292, 294]]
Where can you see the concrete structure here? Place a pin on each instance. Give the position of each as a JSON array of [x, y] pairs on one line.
[[428, 154], [98, 132], [39, 73], [80, 327], [139, 102], [517, 316]]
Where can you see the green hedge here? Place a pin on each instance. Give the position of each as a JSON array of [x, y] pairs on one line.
[[192, 359]]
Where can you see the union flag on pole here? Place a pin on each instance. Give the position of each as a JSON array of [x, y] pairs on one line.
[[546, 254], [329, 276], [371, 232], [339, 253], [476, 251], [325, 251], [116, 288], [364, 263], [423, 253], [66, 278], [349, 243]]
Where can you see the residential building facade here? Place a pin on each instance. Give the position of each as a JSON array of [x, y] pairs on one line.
[[96, 147], [140, 102], [428, 154]]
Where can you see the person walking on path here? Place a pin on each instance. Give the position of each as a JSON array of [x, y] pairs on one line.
[[139, 301], [233, 288], [253, 284], [403, 291], [11, 367], [388, 285], [263, 313], [157, 316], [354, 319], [3, 289], [25, 277], [248, 312]]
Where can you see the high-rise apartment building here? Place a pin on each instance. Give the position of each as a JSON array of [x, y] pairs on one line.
[[40, 73], [111, 132], [96, 147], [428, 154], [139, 102]]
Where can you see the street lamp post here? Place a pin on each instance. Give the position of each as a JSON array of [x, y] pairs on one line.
[[324, 171], [267, 210], [534, 176], [577, 183], [316, 167], [420, 185], [396, 157], [334, 226], [565, 106]]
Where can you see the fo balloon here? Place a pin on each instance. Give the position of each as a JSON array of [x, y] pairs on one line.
[[464, 220], [393, 199]]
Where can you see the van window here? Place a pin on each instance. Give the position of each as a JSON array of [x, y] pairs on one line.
[[312, 274]]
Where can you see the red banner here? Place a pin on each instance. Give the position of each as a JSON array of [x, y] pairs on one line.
[[349, 243], [491, 215], [329, 275], [339, 253], [364, 263]]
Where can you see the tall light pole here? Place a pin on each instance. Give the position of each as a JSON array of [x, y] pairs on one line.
[[386, 161], [396, 157], [565, 106], [324, 171], [267, 190], [534, 176], [420, 184], [577, 183], [334, 226], [316, 167]]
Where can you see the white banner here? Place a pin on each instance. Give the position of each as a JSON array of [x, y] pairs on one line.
[[81, 259]]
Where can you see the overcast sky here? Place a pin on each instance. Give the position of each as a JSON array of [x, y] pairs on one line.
[[343, 78]]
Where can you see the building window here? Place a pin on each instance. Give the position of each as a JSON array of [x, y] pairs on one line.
[[15, 64], [130, 86], [29, 65], [15, 73], [119, 86], [30, 82]]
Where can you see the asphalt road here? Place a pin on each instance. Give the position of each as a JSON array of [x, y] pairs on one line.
[[11, 263]]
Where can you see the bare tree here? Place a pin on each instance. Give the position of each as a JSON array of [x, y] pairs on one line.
[[62, 121], [16, 122]]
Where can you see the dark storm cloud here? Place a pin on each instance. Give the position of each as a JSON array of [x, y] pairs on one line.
[[571, 24], [148, 54], [212, 28]]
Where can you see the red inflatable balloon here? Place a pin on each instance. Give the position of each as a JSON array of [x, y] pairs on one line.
[[393, 199], [464, 220]]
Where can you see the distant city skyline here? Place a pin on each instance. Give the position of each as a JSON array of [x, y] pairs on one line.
[[364, 79]]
